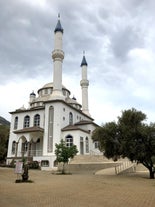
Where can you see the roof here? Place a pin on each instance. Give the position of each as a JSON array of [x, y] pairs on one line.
[[32, 94], [84, 62], [72, 101], [73, 127], [29, 129], [58, 27], [83, 122], [27, 110], [79, 110]]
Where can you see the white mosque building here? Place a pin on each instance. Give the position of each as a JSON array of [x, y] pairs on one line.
[[52, 115]]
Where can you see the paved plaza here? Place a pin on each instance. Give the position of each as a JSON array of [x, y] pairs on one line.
[[76, 190]]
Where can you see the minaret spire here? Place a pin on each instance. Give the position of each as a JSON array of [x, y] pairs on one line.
[[84, 85], [84, 62], [57, 56]]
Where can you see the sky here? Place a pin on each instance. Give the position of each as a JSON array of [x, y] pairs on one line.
[[118, 38]]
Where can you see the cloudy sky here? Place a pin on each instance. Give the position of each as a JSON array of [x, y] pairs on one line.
[[119, 42]]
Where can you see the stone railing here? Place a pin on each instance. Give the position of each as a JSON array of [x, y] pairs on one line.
[[125, 166], [31, 153]]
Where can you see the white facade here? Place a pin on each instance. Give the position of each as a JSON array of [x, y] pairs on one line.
[[52, 115]]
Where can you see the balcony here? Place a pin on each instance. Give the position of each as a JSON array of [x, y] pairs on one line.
[[31, 153]]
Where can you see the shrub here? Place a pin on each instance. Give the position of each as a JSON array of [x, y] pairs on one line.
[[34, 165]]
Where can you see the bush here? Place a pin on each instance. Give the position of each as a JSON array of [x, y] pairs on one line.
[[34, 165]]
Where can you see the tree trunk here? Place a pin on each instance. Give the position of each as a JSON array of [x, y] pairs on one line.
[[151, 173], [63, 168]]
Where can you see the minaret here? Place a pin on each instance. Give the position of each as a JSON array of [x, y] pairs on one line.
[[32, 98], [84, 86], [57, 56]]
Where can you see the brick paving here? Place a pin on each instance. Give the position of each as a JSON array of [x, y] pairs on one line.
[[76, 190]]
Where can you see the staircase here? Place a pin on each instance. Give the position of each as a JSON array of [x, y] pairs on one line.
[[91, 163], [125, 167], [83, 159]]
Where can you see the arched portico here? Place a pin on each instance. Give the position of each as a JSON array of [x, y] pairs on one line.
[[29, 143]]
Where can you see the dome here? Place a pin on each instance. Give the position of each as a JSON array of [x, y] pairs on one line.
[[73, 102], [32, 94], [50, 85]]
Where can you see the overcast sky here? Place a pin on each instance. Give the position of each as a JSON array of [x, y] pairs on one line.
[[118, 37]]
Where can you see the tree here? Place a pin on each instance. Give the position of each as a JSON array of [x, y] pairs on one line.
[[128, 137], [4, 136], [64, 153]]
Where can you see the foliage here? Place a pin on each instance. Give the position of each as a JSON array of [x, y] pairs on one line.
[[4, 136], [33, 165], [3, 121], [130, 137], [64, 153]]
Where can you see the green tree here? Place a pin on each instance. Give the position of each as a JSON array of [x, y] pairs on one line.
[[130, 137], [4, 136], [64, 153]]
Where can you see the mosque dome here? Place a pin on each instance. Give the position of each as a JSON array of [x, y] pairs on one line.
[[74, 103], [50, 87]]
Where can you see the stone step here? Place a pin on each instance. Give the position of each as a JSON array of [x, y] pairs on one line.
[[79, 159], [91, 168], [92, 163]]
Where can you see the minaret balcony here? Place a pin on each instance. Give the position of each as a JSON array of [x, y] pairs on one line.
[[58, 54], [84, 83]]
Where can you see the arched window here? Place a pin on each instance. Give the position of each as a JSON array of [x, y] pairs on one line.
[[37, 120], [13, 147], [44, 163], [24, 147], [50, 129], [69, 141], [70, 118], [26, 121], [16, 122], [87, 145]]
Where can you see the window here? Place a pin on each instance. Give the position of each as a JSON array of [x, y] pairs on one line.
[[96, 144], [87, 145], [50, 129], [64, 92], [24, 147], [26, 121], [69, 141], [16, 122], [44, 163], [70, 118], [37, 120], [13, 147], [46, 91]]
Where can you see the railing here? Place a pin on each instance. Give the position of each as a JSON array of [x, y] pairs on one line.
[[95, 152], [36, 153], [31, 153], [124, 166]]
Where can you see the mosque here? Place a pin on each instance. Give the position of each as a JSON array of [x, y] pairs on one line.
[[52, 115]]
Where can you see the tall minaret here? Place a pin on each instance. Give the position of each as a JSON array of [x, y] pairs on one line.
[[84, 86], [57, 56]]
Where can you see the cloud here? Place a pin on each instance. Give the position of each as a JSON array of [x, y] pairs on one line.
[[118, 39]]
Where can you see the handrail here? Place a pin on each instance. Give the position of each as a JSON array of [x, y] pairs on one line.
[[31, 153], [123, 166]]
